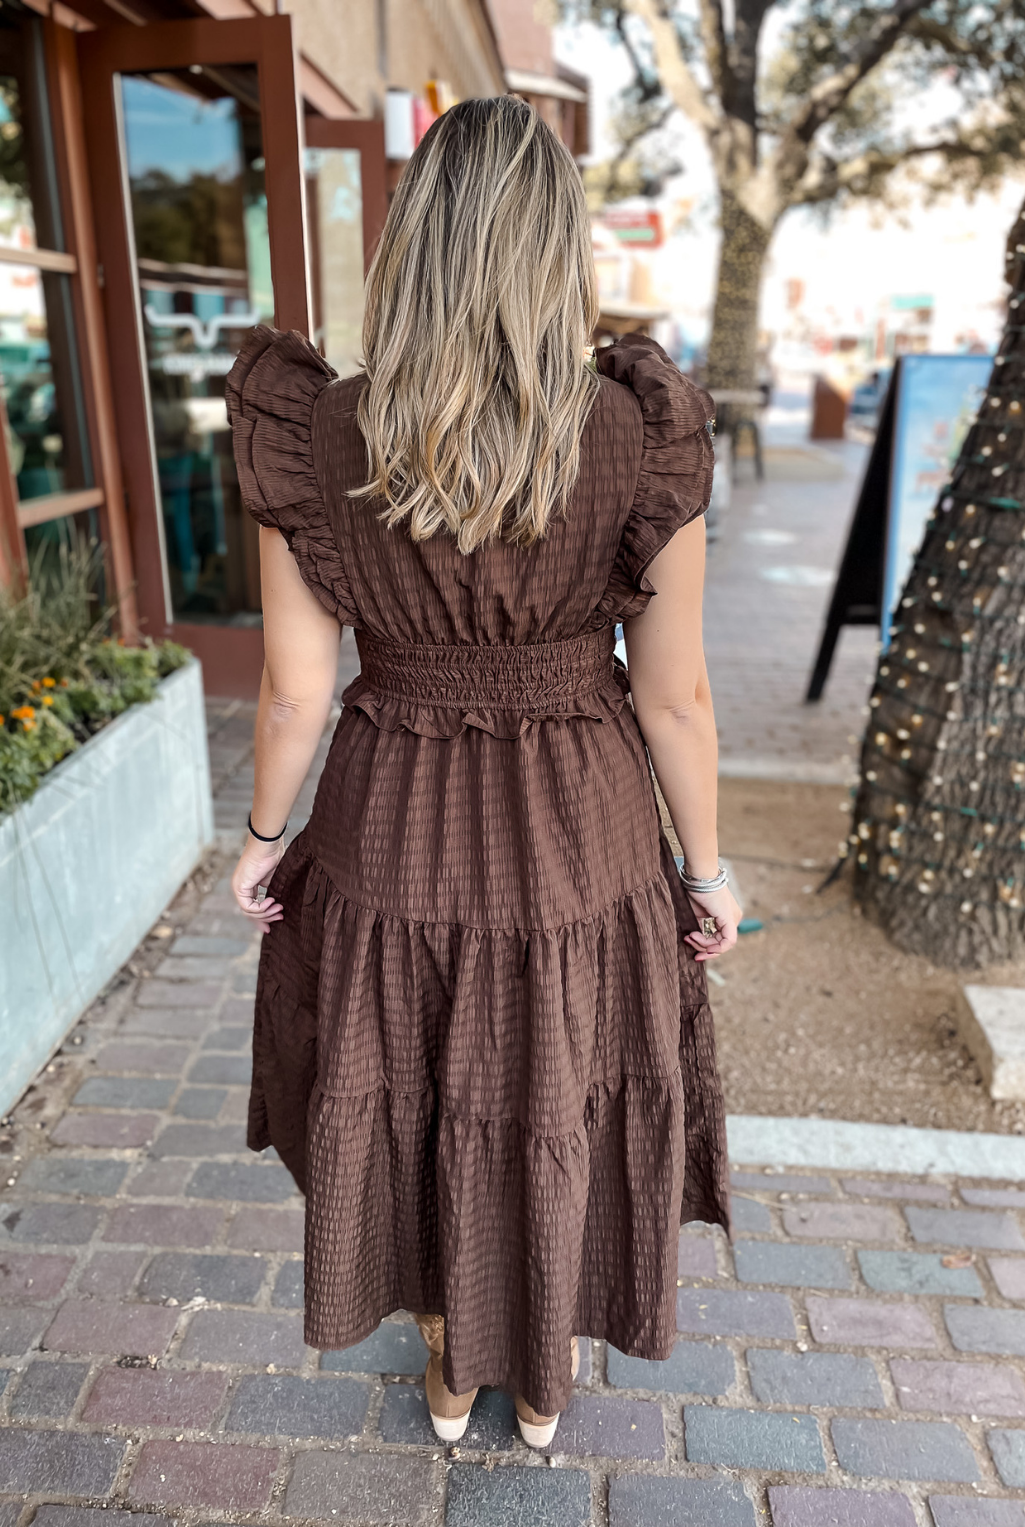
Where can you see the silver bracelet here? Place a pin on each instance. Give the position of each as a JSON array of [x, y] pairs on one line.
[[705, 887]]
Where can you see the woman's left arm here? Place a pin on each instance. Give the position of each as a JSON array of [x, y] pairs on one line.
[[301, 642]]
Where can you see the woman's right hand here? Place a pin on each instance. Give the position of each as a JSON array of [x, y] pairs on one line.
[[255, 869], [724, 908]]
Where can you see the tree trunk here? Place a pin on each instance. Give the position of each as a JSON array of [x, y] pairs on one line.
[[939, 820], [733, 346]]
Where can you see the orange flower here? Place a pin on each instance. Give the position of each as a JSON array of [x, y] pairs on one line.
[[2, 719], [48, 699], [29, 726], [36, 686], [64, 683], [49, 683], [23, 713]]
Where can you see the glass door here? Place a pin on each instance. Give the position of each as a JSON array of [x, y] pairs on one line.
[[52, 486], [195, 150], [197, 194], [347, 204]]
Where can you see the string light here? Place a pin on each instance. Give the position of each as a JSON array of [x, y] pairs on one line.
[[943, 761]]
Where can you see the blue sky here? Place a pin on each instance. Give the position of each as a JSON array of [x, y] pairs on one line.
[[179, 134]]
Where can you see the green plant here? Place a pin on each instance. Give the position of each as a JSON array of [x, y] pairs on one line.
[[28, 752], [63, 674]]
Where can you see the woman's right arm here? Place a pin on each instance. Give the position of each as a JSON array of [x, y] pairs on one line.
[[301, 640], [673, 705]]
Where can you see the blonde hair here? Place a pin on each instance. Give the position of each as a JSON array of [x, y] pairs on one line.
[[480, 302]]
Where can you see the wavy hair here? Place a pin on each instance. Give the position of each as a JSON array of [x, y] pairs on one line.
[[480, 302]]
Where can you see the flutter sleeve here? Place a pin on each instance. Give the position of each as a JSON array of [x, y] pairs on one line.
[[674, 482], [271, 393]]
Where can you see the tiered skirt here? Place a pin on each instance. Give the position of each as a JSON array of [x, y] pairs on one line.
[[497, 1113]]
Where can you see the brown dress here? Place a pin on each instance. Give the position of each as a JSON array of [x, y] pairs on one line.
[[482, 1047]]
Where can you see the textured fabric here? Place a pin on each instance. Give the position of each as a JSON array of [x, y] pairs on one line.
[[482, 1048], [439, 689]]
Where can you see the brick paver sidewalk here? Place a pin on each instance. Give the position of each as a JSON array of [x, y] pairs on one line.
[[769, 583], [854, 1358]]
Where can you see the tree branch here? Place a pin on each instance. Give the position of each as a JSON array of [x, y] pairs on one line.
[[827, 178], [674, 72], [616, 185], [771, 189], [929, 30], [826, 98], [749, 16], [713, 35], [644, 84]]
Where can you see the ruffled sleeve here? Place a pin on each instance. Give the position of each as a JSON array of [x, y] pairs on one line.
[[271, 393], [674, 483]]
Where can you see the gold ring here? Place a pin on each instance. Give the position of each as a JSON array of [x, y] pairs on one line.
[[709, 926]]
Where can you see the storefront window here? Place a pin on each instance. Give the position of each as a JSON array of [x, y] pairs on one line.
[[199, 211], [39, 373], [336, 201], [17, 220], [29, 218]]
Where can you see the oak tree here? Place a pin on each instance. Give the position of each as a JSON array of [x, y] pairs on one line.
[[814, 102]]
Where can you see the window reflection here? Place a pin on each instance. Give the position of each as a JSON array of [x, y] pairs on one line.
[[28, 205], [17, 224], [334, 176], [39, 373], [199, 208], [39, 381]]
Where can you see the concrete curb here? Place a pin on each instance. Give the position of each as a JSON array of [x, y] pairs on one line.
[[842, 1146], [787, 771]]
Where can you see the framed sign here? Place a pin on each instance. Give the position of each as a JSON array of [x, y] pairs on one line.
[[929, 406], [938, 396]]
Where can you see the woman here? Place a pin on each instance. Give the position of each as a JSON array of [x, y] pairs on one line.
[[482, 1043]]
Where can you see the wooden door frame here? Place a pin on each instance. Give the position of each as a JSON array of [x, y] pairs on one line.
[[87, 300], [368, 137], [76, 260], [269, 43]]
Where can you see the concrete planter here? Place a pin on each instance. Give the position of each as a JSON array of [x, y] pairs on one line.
[[89, 863], [991, 1020]]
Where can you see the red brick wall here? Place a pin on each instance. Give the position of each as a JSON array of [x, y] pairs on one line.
[[524, 33]]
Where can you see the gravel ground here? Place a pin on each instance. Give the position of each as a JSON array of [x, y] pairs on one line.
[[819, 1013]]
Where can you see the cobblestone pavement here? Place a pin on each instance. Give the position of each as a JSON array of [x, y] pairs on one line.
[[856, 1357]]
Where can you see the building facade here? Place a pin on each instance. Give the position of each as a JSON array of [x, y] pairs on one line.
[[561, 96], [172, 172]]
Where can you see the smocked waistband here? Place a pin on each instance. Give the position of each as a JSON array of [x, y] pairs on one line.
[[535, 676]]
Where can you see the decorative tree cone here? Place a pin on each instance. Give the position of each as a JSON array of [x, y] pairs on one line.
[[938, 828]]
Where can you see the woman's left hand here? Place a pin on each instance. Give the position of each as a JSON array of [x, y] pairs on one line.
[[723, 909], [254, 870]]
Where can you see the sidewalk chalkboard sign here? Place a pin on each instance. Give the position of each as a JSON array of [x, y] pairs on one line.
[[929, 406]]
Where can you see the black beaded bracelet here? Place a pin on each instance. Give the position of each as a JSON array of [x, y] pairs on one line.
[[259, 835]]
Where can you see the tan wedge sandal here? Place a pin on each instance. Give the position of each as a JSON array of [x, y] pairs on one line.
[[537, 1430], [450, 1413]]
